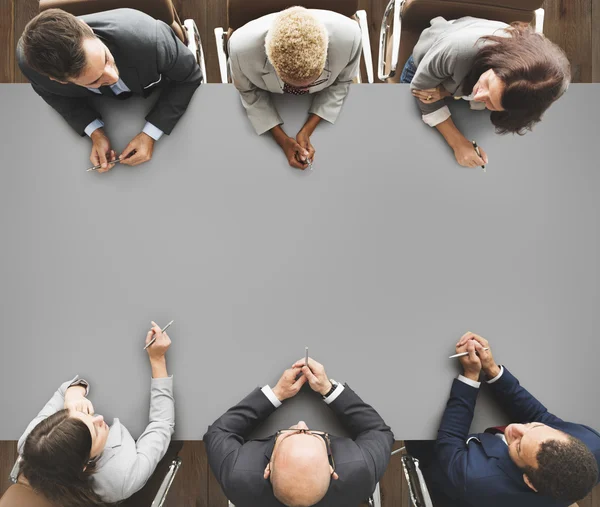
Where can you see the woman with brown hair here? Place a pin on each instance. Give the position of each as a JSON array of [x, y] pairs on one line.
[[508, 69], [73, 458]]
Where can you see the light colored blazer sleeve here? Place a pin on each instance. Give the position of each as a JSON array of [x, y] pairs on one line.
[[154, 441], [259, 106], [56, 403], [327, 103]]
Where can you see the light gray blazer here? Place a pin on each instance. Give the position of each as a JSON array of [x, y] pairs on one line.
[[125, 465], [255, 78], [444, 55]]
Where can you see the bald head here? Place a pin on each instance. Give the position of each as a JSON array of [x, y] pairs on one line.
[[301, 472]]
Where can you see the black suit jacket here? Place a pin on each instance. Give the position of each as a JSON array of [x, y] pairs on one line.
[[239, 464], [147, 53], [481, 472]]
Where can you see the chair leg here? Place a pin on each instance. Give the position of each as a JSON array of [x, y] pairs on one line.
[[366, 43], [161, 495], [220, 40]]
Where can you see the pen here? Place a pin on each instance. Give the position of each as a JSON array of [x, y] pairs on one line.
[[463, 354], [96, 167], [306, 358], [478, 153], [162, 331]]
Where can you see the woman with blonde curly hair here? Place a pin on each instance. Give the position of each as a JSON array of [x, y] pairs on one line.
[[297, 51], [510, 70]]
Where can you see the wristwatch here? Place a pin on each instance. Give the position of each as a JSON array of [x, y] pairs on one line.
[[334, 384]]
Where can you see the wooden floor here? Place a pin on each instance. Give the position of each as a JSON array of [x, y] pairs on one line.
[[573, 24]]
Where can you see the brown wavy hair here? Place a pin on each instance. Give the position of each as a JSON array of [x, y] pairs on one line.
[[536, 73], [53, 460]]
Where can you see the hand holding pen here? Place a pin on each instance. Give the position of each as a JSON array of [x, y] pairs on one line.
[[481, 154], [474, 350], [159, 337]]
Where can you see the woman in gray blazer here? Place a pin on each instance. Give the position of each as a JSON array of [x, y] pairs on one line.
[[509, 69], [73, 458]]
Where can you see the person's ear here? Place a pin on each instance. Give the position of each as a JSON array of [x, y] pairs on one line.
[[528, 482], [267, 471], [334, 475]]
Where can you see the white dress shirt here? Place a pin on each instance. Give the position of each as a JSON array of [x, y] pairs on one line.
[[268, 392]]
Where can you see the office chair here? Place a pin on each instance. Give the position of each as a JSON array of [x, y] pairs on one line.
[[410, 17], [163, 10], [240, 12]]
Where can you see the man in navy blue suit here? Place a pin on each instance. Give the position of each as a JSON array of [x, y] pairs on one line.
[[539, 460]]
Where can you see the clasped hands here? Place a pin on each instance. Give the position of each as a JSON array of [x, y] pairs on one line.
[[294, 378], [478, 358], [139, 150]]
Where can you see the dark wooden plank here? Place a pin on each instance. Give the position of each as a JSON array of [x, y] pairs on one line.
[[216, 16], [8, 456], [216, 497], [595, 42], [190, 487], [24, 11], [568, 23], [392, 484], [7, 50]]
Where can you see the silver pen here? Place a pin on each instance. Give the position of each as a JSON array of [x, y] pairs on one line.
[[306, 358], [463, 354], [162, 331], [96, 167]]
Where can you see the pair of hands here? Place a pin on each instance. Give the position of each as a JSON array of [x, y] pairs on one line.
[[290, 383], [139, 150], [478, 358], [298, 151], [75, 395], [463, 149]]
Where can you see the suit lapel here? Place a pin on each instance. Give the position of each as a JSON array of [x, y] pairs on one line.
[[269, 446], [494, 447]]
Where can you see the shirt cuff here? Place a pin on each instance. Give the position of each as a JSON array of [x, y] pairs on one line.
[[438, 116], [333, 396], [491, 381], [469, 382], [154, 132], [95, 125], [268, 392]]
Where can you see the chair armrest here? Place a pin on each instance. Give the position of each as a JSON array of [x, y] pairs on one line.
[[539, 20], [396, 7], [195, 45], [161, 495], [366, 43], [220, 40]]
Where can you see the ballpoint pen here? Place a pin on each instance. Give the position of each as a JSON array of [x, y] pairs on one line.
[[162, 331], [463, 354], [478, 151], [96, 167], [306, 358]]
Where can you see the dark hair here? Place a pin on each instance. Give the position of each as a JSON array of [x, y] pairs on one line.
[[53, 44], [53, 460], [536, 72], [566, 471]]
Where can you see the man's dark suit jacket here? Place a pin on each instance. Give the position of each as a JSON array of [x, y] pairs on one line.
[[481, 472], [239, 464], [147, 53]]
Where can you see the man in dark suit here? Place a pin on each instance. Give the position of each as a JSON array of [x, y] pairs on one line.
[[298, 467], [539, 460], [117, 53]]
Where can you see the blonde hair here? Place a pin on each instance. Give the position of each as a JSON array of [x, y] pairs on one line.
[[296, 45]]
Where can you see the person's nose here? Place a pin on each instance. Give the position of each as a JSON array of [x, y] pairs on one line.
[[111, 76], [481, 95], [98, 419], [518, 430], [301, 425]]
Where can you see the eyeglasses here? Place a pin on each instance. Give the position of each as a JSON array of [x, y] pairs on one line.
[[319, 434], [288, 87]]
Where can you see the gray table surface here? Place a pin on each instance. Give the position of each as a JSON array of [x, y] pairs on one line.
[[378, 260]]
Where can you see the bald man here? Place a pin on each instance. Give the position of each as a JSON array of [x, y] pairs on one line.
[[299, 467]]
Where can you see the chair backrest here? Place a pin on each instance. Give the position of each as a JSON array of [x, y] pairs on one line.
[[20, 495], [416, 15], [240, 12], [163, 10], [417, 487]]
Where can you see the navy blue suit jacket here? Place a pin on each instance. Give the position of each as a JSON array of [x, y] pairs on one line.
[[481, 472]]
